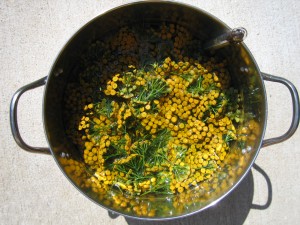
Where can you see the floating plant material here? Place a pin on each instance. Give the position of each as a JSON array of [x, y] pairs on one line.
[[154, 122]]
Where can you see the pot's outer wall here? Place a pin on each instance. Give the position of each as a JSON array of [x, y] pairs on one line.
[[242, 66]]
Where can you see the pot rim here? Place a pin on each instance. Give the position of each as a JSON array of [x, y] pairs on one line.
[[156, 2]]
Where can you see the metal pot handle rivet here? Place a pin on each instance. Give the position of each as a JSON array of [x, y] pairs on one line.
[[14, 120], [296, 111]]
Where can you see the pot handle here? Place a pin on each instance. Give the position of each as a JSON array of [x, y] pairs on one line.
[[296, 111], [14, 121]]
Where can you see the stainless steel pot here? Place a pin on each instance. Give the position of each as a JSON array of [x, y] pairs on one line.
[[245, 73]]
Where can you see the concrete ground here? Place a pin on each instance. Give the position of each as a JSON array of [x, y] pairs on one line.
[[33, 189]]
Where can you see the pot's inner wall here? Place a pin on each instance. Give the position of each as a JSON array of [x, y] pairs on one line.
[[204, 27]]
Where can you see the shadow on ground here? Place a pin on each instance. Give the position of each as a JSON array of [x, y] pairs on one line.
[[231, 210]]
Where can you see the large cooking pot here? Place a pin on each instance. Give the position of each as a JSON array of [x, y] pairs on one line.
[[246, 77]]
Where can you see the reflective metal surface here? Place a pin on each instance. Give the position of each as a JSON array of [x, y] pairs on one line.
[[234, 36], [14, 117], [204, 27], [296, 111]]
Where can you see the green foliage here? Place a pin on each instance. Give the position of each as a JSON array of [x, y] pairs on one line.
[[155, 88]]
